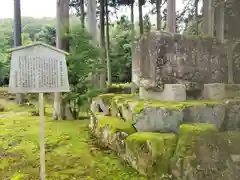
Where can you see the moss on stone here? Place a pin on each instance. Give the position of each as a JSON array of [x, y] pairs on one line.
[[120, 100], [172, 105], [197, 145], [196, 128], [232, 140], [106, 98], [150, 153], [120, 88], [115, 124]]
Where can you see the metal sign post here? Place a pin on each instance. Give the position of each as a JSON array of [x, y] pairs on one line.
[[38, 68]]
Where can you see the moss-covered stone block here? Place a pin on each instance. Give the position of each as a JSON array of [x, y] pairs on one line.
[[201, 153], [150, 153], [165, 116], [232, 116], [111, 131], [122, 88]]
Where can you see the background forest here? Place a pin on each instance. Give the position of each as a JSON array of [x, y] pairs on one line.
[[117, 38]]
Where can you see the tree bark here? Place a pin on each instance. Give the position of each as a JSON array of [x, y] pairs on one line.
[[102, 43], [171, 16], [82, 13], [196, 15], [208, 17], [140, 16], [109, 72], [220, 20], [158, 7], [18, 36], [92, 29], [62, 42], [133, 89]]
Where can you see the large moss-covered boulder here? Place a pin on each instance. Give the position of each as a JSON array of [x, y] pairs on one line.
[[111, 132], [150, 153], [201, 153]]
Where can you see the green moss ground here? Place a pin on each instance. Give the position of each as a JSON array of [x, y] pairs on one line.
[[70, 153]]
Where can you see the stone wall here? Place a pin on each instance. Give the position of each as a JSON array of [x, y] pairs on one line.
[[184, 140], [163, 58]]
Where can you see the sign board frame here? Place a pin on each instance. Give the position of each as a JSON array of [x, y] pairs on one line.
[[36, 81]]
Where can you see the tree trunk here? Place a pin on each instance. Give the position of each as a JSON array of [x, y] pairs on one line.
[[92, 29], [62, 42], [133, 89], [82, 13], [158, 7], [102, 43], [140, 16], [208, 17], [220, 21], [18, 36], [171, 16], [109, 72], [196, 15]]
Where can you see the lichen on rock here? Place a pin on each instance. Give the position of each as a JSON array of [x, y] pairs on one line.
[[150, 153]]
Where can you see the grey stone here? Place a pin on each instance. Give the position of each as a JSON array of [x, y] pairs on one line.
[[98, 103], [214, 91], [232, 116], [213, 114], [164, 58], [171, 92], [153, 119]]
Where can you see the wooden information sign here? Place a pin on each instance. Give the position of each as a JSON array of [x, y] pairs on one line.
[[38, 68]]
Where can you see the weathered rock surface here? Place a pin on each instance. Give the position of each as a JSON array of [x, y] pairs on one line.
[[155, 119], [202, 153], [164, 58], [205, 113], [150, 153], [111, 132]]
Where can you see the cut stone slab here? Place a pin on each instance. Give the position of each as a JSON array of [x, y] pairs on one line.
[[171, 92], [213, 114], [158, 120], [150, 153], [203, 153], [215, 91]]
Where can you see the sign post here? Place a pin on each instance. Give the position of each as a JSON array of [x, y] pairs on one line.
[[38, 68]]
